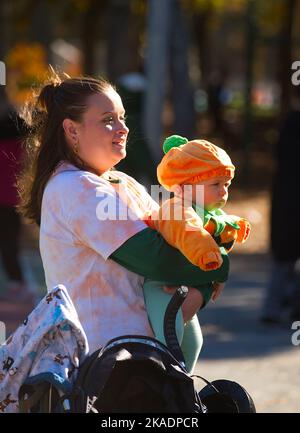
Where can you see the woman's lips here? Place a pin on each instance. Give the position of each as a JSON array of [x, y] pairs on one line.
[[120, 145]]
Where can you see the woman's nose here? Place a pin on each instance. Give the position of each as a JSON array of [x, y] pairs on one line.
[[122, 127]]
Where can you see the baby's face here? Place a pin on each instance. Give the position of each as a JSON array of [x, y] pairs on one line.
[[215, 192]]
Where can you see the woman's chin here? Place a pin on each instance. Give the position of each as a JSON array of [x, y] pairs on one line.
[[121, 154], [119, 149]]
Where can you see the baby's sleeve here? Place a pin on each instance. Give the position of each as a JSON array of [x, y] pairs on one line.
[[183, 229], [227, 229]]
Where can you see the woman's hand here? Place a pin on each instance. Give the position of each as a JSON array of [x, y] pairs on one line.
[[218, 287], [192, 303]]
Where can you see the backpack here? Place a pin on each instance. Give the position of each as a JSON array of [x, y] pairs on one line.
[[134, 374]]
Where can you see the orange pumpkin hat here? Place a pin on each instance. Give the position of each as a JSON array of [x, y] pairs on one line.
[[190, 162]]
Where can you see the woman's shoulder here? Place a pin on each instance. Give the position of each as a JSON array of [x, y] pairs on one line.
[[67, 177], [136, 189], [119, 176], [116, 174], [69, 183]]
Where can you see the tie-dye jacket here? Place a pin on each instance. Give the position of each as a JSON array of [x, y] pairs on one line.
[[85, 218]]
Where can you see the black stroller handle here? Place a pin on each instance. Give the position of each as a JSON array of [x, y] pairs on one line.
[[170, 323]]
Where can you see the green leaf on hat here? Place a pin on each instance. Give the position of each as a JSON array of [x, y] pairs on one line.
[[173, 141]]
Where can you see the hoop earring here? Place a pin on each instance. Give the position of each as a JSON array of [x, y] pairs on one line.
[[76, 148]]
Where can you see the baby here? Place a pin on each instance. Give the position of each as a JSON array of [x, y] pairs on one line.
[[199, 174]]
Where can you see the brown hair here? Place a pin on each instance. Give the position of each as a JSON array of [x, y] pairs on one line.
[[59, 98]]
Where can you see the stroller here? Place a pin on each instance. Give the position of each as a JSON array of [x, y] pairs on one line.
[[138, 374]]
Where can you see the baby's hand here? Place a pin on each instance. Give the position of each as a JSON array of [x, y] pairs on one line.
[[218, 287], [192, 303]]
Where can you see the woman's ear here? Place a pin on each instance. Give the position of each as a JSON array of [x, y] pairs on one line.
[[71, 131], [177, 189]]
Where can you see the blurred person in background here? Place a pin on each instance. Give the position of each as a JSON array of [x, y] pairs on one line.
[[284, 285], [10, 223]]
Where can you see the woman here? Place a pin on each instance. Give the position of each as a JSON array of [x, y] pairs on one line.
[[92, 237]]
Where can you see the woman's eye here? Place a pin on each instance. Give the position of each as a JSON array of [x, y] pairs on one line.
[[109, 119]]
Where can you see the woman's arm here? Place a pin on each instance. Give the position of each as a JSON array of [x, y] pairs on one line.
[[148, 254]]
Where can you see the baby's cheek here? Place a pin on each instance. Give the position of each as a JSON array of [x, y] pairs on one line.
[[209, 197]]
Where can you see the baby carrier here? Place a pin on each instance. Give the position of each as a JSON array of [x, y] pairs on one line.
[[136, 374]]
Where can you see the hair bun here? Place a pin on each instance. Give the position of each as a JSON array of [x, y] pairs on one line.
[[47, 96], [173, 141]]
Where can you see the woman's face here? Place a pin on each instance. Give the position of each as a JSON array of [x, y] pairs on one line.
[[101, 135]]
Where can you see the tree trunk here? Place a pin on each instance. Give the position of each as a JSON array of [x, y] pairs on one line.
[[89, 36], [181, 91], [248, 115], [285, 58], [41, 25], [5, 21], [122, 40], [157, 59], [201, 21]]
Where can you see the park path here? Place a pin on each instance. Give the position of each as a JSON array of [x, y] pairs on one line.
[[238, 347]]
